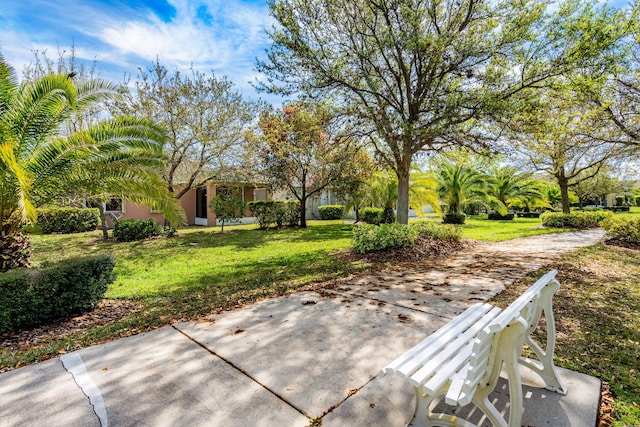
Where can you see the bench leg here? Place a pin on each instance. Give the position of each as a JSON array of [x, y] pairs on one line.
[[544, 366], [423, 417]]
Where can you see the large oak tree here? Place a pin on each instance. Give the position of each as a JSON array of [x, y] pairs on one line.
[[418, 74]]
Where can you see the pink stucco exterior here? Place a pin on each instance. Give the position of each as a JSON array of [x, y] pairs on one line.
[[188, 202]]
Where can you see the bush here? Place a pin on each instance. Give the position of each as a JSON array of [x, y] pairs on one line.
[[619, 200], [129, 230], [454, 218], [528, 214], [30, 297], [278, 212], [68, 220], [371, 215], [495, 216], [637, 199], [434, 230], [369, 237], [331, 211], [578, 219], [625, 228]]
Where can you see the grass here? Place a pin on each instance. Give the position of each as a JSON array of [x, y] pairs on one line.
[[597, 320], [480, 228], [195, 273]]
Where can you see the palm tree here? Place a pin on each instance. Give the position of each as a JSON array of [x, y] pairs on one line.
[[423, 191], [40, 161], [510, 187], [459, 185]]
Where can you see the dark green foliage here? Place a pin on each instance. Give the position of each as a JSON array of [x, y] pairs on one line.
[[454, 218], [371, 215], [495, 216], [528, 214], [617, 208], [576, 219], [625, 228], [68, 220], [129, 230], [619, 200], [388, 216], [29, 297], [279, 212], [369, 237], [331, 211], [637, 198]]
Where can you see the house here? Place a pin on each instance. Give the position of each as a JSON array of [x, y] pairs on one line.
[[195, 203]]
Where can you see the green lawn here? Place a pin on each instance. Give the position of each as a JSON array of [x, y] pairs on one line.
[[480, 228]]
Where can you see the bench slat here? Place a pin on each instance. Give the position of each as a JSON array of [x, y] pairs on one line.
[[448, 330], [462, 341], [452, 341]]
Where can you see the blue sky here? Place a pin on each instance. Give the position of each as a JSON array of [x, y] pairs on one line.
[[122, 35]]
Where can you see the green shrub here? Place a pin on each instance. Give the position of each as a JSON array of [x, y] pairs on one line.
[[578, 219], [129, 230], [68, 220], [331, 211], [626, 228], [637, 198], [619, 200], [279, 212], [528, 214], [30, 297], [454, 218], [263, 211], [434, 230], [369, 237], [495, 216], [371, 215]]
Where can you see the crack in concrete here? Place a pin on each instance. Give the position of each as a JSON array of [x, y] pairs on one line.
[[243, 372], [73, 364]]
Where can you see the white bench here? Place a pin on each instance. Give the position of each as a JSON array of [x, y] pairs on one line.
[[463, 359]]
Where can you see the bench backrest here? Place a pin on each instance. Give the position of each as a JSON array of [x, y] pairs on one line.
[[484, 358]]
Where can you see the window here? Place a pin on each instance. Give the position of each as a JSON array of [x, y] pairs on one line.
[[114, 204]]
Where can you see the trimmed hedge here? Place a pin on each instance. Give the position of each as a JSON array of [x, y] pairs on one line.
[[331, 211], [529, 214], [625, 228], [454, 218], [578, 219], [129, 230], [30, 297], [68, 220], [371, 215], [495, 216], [279, 212], [369, 237]]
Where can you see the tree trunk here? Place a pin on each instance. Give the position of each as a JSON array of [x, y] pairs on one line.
[[303, 212], [564, 193], [403, 191], [15, 250], [103, 221]]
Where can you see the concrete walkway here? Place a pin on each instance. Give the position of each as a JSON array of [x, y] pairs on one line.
[[287, 361]]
